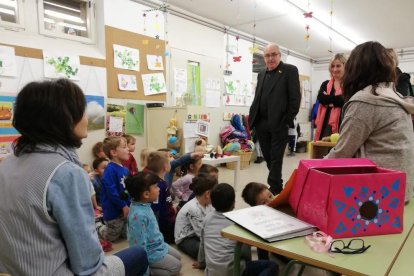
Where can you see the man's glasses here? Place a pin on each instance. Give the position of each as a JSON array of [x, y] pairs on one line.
[[272, 55], [354, 246]]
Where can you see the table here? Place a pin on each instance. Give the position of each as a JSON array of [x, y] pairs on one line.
[[377, 260], [225, 159], [319, 149], [403, 263]]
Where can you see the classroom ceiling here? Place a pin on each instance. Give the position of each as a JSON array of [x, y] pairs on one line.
[[389, 22]]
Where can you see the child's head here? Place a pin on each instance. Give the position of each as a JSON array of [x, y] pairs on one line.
[[144, 156], [202, 185], [99, 165], [159, 162], [256, 194], [143, 187], [170, 154], [223, 197], [130, 142], [97, 150], [116, 148], [87, 169], [210, 170], [193, 166]]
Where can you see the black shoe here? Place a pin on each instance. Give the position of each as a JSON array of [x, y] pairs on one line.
[[259, 160]]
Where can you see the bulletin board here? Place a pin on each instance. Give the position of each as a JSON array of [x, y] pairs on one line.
[[146, 46]]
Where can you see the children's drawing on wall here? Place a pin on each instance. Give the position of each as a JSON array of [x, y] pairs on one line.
[[95, 109], [127, 82], [193, 95], [60, 65], [115, 120], [134, 118], [153, 84], [6, 143], [180, 85], [155, 62], [238, 93], [231, 86], [126, 58], [7, 61], [6, 115]]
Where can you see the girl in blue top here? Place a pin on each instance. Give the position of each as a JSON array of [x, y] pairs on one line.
[[143, 226]]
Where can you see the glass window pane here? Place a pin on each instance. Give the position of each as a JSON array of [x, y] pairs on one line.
[[66, 16], [9, 11]]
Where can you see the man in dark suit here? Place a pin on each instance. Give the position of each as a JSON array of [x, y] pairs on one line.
[[273, 110]]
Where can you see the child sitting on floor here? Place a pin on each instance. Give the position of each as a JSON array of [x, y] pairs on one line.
[[159, 164], [98, 166], [181, 187], [216, 252], [114, 203], [209, 170], [143, 228], [131, 163], [190, 218]]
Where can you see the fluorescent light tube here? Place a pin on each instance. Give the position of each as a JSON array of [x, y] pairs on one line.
[[64, 16]]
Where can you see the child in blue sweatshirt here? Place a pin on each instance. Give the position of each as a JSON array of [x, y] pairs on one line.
[[143, 228]]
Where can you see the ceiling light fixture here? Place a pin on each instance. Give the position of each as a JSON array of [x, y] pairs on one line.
[[64, 16], [61, 6], [7, 11]]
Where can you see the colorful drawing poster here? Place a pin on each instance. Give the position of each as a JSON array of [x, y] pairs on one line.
[[134, 119], [60, 65], [194, 82], [6, 145], [231, 86], [127, 82], [155, 62], [95, 109], [153, 84], [126, 58], [115, 120], [6, 115], [7, 61]]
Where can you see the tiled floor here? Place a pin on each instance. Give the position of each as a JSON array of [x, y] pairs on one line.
[[257, 173]]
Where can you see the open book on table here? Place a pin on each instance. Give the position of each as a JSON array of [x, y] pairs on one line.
[[270, 224]]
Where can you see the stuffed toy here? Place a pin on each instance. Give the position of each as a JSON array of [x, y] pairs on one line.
[[200, 145]]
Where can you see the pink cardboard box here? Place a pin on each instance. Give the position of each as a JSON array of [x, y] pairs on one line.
[[349, 197]]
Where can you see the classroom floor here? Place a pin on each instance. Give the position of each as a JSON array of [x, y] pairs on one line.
[[256, 173]]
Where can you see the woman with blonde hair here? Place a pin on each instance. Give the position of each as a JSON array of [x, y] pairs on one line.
[[330, 99]]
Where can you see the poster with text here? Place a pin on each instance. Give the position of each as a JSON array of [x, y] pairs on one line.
[[134, 119], [127, 82], [61, 65], [95, 110], [6, 115], [126, 58], [115, 120], [153, 84], [7, 61]]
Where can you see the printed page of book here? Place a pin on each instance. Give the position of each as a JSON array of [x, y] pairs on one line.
[[270, 224]]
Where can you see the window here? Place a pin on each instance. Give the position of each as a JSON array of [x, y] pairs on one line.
[[11, 14], [69, 19]]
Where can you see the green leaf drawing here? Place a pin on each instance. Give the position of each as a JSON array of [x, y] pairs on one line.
[[126, 58], [230, 87], [155, 85], [61, 65]]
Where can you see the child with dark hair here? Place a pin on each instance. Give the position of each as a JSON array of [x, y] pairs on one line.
[[159, 163], [131, 163], [143, 228], [114, 204], [98, 166], [217, 253], [181, 187], [209, 170], [257, 194], [189, 220]]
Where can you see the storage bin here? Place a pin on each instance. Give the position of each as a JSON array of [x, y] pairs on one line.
[[245, 157]]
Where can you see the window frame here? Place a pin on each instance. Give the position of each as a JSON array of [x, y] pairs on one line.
[[20, 15], [91, 24]]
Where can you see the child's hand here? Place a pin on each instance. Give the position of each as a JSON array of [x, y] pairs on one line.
[[125, 211], [196, 265], [197, 155], [99, 208]]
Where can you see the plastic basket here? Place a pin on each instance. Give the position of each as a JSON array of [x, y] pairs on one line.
[[245, 157]]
